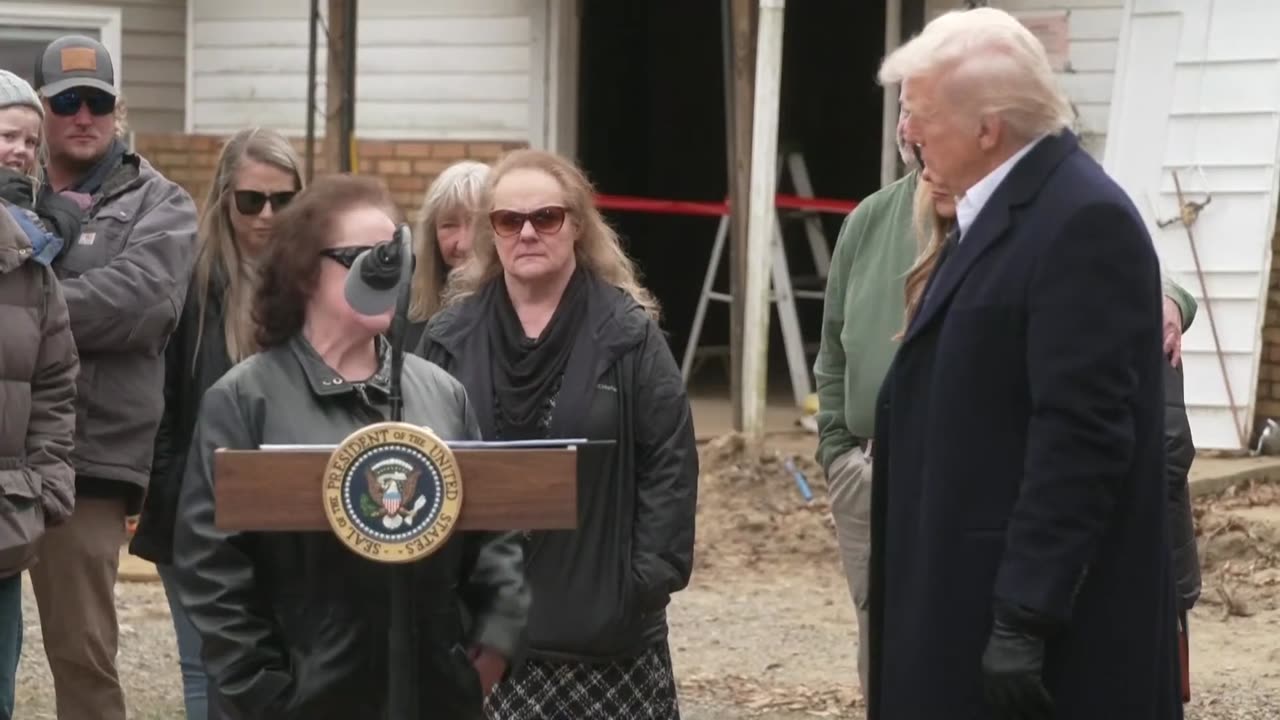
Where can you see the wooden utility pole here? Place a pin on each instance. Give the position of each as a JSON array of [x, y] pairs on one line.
[[739, 76], [761, 217], [339, 125], [890, 160], [312, 46]]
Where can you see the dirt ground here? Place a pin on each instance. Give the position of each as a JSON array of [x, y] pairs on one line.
[[766, 628]]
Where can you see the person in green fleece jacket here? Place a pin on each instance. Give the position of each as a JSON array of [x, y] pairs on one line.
[[863, 311]]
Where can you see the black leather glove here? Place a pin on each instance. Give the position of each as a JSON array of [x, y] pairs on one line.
[[1012, 667]]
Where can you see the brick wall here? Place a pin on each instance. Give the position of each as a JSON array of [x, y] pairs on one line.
[[408, 167], [1269, 371]]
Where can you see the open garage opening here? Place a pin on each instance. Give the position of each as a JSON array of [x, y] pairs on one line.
[[652, 124]]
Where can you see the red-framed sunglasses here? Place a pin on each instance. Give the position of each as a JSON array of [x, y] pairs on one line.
[[545, 220]]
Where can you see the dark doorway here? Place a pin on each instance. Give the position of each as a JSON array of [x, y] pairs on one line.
[[651, 119]]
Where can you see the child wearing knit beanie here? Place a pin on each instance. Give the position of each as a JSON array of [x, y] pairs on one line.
[[50, 222], [21, 123]]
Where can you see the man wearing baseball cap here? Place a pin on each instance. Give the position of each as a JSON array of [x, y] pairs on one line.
[[125, 279]]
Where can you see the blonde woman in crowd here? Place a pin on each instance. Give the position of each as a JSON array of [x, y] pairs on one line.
[[258, 173], [442, 239], [553, 336]]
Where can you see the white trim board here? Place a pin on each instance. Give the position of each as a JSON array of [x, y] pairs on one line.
[[106, 20]]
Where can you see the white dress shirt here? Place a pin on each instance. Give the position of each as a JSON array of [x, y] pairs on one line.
[[972, 202]]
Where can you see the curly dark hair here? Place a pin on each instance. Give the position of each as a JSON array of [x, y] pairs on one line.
[[291, 264]]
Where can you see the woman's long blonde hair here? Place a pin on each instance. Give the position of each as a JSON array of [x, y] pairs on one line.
[[930, 230], [457, 191], [218, 248], [597, 248]]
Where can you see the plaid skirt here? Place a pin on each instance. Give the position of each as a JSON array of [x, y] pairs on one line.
[[640, 688]]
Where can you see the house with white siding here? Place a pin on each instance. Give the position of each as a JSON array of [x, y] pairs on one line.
[[634, 90]]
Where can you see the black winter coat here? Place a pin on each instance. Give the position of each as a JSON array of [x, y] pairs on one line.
[[1019, 459], [600, 592], [1180, 451], [294, 624], [194, 360]]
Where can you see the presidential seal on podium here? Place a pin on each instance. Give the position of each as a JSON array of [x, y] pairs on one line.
[[392, 492]]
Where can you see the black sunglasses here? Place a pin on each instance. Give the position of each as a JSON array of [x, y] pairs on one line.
[[251, 202], [545, 220], [68, 102], [346, 256]]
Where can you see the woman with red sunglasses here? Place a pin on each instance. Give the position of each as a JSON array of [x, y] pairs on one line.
[[552, 336], [258, 172]]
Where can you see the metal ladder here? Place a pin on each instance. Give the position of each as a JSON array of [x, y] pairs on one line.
[[783, 294]]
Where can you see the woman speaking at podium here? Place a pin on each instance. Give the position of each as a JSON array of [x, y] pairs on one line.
[[295, 624]]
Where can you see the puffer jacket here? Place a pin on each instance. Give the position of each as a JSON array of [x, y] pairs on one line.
[[38, 367], [125, 280], [1180, 451]]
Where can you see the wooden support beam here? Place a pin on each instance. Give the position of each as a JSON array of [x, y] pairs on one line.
[[761, 217], [890, 161], [739, 47], [340, 71]]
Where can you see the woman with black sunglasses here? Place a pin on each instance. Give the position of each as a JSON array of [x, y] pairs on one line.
[[257, 174], [553, 336], [294, 624]]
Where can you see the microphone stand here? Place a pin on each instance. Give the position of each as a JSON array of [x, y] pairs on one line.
[[399, 327], [402, 630]]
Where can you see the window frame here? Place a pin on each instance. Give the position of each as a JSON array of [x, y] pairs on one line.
[[106, 20]]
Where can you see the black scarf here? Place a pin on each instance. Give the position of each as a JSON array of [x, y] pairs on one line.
[[527, 372]]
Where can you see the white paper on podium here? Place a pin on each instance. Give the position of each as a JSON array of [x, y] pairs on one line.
[[453, 444]]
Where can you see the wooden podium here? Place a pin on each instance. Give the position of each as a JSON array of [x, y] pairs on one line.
[[513, 488], [502, 487]]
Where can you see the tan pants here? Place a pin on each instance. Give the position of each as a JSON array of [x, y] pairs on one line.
[[74, 583], [849, 486]]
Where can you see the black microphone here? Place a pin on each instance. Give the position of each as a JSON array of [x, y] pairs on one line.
[[381, 270], [378, 273]]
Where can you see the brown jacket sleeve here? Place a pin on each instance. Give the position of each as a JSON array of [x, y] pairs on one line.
[[53, 413]]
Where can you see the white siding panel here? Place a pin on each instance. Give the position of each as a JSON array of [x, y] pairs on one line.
[[427, 69], [1088, 87], [1199, 94], [460, 60], [423, 88], [1207, 139], [394, 9], [1222, 285], [1234, 30], [1093, 23], [1255, 177], [1093, 55], [292, 32], [1093, 116], [387, 116], [1230, 87], [1231, 234], [1214, 428]]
